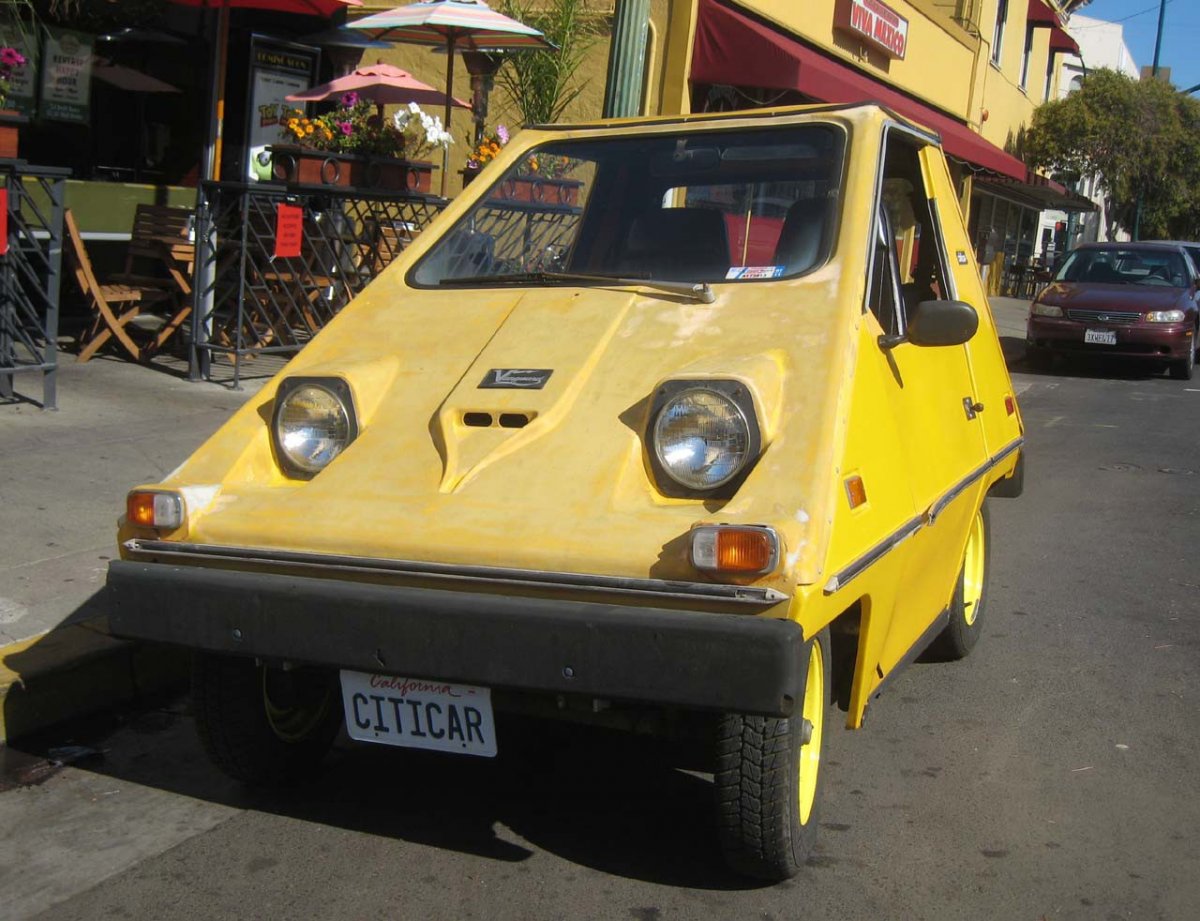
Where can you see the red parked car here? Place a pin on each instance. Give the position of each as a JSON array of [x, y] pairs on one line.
[[1128, 300]]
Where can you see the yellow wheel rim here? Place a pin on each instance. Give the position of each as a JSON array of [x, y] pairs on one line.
[[973, 569], [814, 712], [293, 724]]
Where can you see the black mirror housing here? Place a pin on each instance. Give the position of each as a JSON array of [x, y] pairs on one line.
[[935, 323]]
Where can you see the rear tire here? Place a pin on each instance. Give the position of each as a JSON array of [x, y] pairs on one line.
[[264, 725], [768, 778], [969, 603]]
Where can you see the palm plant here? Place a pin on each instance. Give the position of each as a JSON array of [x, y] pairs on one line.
[[541, 84]]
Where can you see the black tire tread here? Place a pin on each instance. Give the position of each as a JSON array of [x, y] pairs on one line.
[[233, 727]]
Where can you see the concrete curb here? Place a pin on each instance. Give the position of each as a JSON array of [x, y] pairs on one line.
[[78, 670]]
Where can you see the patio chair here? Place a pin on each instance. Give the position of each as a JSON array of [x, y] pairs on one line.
[[116, 306]]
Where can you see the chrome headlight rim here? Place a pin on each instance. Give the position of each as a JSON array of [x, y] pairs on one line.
[[733, 391], [340, 390]]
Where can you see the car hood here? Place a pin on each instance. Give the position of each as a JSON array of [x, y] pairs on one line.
[[1112, 297], [566, 488]]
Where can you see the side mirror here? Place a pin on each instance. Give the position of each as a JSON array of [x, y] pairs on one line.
[[934, 323]]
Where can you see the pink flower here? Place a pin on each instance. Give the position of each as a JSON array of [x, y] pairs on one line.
[[346, 127], [350, 100], [11, 57]]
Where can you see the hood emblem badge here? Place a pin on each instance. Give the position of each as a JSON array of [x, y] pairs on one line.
[[515, 379]]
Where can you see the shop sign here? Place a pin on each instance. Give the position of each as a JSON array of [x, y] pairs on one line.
[[67, 76], [277, 69], [289, 231], [874, 22]]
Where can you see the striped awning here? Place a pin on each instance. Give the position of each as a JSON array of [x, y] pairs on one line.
[[471, 24]]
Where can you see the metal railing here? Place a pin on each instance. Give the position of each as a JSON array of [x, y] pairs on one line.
[[250, 301], [30, 275]]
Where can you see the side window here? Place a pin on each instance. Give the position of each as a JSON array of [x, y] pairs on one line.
[[883, 294], [914, 231]]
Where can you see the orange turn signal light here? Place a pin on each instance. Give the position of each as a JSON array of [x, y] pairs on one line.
[[856, 491], [735, 548], [161, 510]]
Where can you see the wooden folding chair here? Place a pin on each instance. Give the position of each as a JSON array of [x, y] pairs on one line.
[[115, 304], [160, 240]]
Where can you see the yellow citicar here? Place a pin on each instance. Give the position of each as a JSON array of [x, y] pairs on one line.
[[681, 424]]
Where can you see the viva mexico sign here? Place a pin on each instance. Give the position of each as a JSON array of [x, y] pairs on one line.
[[874, 22]]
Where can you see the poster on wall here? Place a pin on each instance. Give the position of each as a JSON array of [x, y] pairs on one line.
[[277, 69], [67, 76], [22, 85]]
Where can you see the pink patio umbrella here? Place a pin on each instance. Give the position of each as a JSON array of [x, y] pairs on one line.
[[381, 84], [468, 25], [323, 8]]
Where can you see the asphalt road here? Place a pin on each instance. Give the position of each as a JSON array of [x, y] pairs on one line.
[[1050, 775]]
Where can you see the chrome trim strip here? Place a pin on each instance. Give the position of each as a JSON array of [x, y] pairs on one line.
[[289, 560], [955, 491], [856, 568], [839, 579]]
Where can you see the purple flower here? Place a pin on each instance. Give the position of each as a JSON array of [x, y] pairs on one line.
[[502, 134], [350, 100], [346, 127], [11, 57]]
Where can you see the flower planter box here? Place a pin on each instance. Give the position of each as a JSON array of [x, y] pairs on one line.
[[539, 189], [10, 128], [301, 166]]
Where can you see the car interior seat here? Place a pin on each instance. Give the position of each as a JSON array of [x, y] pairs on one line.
[[800, 240], [1102, 272], [683, 244]]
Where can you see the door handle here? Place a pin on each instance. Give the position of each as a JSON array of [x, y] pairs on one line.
[[971, 408]]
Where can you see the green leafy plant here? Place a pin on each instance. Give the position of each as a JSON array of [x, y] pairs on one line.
[[541, 84]]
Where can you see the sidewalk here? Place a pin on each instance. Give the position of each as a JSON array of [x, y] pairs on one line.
[[63, 480]]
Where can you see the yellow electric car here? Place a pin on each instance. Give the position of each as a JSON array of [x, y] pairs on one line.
[[686, 424]]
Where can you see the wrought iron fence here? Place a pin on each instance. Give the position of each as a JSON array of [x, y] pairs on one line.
[[252, 300], [30, 275]]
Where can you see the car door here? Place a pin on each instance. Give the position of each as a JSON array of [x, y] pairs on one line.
[[931, 396]]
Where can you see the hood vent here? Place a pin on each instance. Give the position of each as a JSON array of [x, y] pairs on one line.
[[503, 420]]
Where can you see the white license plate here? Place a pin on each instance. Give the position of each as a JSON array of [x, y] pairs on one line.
[[1100, 336], [416, 713]]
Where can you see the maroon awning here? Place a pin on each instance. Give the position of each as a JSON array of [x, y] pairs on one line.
[[1060, 41], [1040, 14], [734, 48]]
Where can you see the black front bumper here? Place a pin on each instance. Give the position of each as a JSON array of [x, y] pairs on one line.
[[695, 659]]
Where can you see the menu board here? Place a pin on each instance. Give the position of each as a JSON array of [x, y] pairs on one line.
[[277, 69], [66, 76]]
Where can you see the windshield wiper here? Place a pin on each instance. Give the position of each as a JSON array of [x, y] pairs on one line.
[[701, 291]]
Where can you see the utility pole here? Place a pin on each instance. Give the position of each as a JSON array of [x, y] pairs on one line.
[[1162, 12]]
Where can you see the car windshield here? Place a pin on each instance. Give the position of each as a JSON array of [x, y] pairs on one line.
[[693, 207], [1124, 267]]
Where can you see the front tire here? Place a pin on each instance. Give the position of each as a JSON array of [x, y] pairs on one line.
[[768, 778], [969, 603], [1182, 370], [263, 725]]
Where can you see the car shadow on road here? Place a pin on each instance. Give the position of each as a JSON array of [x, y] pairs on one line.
[[1087, 367], [605, 800]]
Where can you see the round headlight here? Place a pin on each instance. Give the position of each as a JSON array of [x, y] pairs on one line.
[[312, 427], [702, 439]]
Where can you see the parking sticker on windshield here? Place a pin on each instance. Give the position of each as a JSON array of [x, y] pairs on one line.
[[755, 271]]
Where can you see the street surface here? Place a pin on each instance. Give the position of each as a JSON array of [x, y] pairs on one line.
[[1050, 775]]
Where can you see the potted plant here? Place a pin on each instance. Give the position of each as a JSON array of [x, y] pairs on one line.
[[11, 61], [353, 145]]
